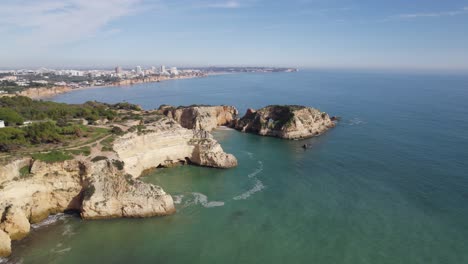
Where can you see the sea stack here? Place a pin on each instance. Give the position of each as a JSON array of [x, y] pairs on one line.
[[284, 121]]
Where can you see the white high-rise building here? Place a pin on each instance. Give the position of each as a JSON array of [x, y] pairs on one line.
[[174, 71], [118, 70], [163, 69], [138, 70]]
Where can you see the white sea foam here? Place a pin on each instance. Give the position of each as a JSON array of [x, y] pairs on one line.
[[224, 128], [68, 231], [257, 187], [178, 198], [63, 250], [203, 200], [356, 121], [250, 154], [49, 220], [257, 171]]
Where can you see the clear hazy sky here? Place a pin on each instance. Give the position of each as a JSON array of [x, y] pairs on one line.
[[396, 34]]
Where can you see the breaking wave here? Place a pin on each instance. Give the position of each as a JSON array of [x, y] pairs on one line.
[[250, 154], [258, 170], [356, 121], [62, 250], [178, 198], [203, 200], [257, 187], [49, 221]]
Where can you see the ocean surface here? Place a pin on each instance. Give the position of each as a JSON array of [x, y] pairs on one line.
[[389, 184]]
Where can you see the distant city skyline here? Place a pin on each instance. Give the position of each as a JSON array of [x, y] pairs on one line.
[[397, 35]]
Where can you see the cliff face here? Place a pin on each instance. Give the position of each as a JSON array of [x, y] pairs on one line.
[[110, 193], [37, 93], [164, 143], [104, 188], [201, 117], [288, 122]]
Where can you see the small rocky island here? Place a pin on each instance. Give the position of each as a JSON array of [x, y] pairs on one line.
[[87, 158], [284, 121]]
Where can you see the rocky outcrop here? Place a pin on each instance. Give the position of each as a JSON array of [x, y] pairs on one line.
[[5, 244], [166, 142], [201, 117], [106, 187], [48, 189], [110, 193], [12, 169], [288, 122], [96, 189]]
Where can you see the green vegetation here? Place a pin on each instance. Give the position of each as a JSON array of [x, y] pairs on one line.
[[85, 151], [107, 144], [118, 164], [53, 156], [10, 117], [53, 123], [98, 158], [129, 179], [117, 131], [25, 171], [42, 110]]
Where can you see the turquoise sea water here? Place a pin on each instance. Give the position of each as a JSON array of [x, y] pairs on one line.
[[389, 184]]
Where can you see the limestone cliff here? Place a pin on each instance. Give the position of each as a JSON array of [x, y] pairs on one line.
[[110, 193], [165, 142], [105, 187], [288, 122], [201, 117], [37, 93]]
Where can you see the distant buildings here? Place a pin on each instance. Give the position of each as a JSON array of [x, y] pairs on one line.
[[174, 71], [2, 124], [9, 78], [163, 70], [41, 82], [118, 70], [138, 70]]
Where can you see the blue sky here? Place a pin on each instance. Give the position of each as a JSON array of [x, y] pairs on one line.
[[397, 34]]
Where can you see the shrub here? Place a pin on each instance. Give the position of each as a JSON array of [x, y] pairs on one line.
[[98, 158], [117, 130], [11, 117], [118, 164], [53, 156]]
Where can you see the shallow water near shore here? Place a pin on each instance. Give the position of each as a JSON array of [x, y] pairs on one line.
[[389, 184]]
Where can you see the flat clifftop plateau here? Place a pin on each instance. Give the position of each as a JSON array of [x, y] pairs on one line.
[[103, 184], [201, 117], [284, 121]]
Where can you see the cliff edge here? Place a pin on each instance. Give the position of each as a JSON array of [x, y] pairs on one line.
[[201, 117], [102, 184]]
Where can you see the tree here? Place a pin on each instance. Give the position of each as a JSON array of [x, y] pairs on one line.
[[11, 117]]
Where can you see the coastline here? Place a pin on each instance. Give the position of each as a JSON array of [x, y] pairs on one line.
[[44, 93]]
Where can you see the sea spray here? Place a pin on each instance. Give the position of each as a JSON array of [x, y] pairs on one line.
[[50, 220]]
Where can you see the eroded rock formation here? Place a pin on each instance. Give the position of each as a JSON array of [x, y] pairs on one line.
[[201, 117], [166, 142], [288, 122], [106, 187]]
